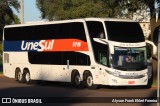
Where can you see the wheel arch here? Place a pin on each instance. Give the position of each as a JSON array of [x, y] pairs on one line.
[[16, 70], [85, 73], [26, 70]]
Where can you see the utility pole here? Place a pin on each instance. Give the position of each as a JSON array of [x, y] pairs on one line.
[[22, 11], [158, 71]]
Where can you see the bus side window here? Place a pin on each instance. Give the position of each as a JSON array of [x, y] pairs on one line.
[[83, 59], [95, 29], [102, 55], [64, 31], [102, 58], [77, 31]]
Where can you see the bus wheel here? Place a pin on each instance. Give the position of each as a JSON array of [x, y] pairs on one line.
[[150, 82], [77, 80], [19, 76], [27, 77], [89, 81]]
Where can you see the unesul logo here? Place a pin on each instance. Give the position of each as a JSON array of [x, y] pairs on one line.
[[49, 45], [42, 45]]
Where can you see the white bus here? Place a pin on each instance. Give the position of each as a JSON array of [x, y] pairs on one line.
[[90, 52]]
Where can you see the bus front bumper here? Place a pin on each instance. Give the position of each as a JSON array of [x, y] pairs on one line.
[[117, 81]]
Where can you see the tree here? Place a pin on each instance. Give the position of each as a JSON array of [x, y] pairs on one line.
[[134, 9], [69, 9], [153, 23], [6, 13]]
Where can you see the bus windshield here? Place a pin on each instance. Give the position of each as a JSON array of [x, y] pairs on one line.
[[129, 32], [129, 59]]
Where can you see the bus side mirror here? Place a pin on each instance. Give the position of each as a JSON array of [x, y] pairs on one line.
[[153, 45], [105, 42], [111, 49]]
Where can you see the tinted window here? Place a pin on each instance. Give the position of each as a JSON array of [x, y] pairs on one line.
[[31, 32], [101, 53], [129, 32], [78, 31], [58, 58], [64, 31], [45, 57], [55, 31], [95, 28]]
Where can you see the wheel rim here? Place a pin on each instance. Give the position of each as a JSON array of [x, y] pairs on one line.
[[27, 77], [19, 76], [89, 81], [77, 80]]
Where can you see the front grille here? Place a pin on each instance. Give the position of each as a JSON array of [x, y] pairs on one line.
[[131, 76]]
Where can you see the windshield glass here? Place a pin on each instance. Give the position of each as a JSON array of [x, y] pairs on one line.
[[129, 58], [129, 32]]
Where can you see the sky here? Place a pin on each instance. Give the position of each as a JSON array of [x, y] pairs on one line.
[[31, 12]]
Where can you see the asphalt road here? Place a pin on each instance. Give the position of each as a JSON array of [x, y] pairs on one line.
[[11, 88]]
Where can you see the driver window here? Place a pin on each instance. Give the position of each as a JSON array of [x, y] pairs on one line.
[[103, 57]]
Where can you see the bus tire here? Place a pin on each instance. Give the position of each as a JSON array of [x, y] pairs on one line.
[[76, 80], [27, 78], [89, 81], [19, 76], [16, 74]]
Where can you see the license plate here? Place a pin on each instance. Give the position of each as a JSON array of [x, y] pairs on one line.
[[131, 82]]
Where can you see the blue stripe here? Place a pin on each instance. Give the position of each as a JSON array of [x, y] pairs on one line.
[[16, 46]]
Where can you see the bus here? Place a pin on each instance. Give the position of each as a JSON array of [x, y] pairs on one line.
[[85, 52]]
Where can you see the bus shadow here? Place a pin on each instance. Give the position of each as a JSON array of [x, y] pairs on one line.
[[52, 83], [125, 87], [69, 85]]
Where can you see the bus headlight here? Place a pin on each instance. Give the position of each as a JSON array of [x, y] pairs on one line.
[[113, 73], [145, 74], [116, 74]]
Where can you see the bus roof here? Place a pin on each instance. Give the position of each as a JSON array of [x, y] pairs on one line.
[[109, 19], [67, 21]]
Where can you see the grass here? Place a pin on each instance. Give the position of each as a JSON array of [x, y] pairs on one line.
[[1, 63], [154, 83], [1, 73]]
